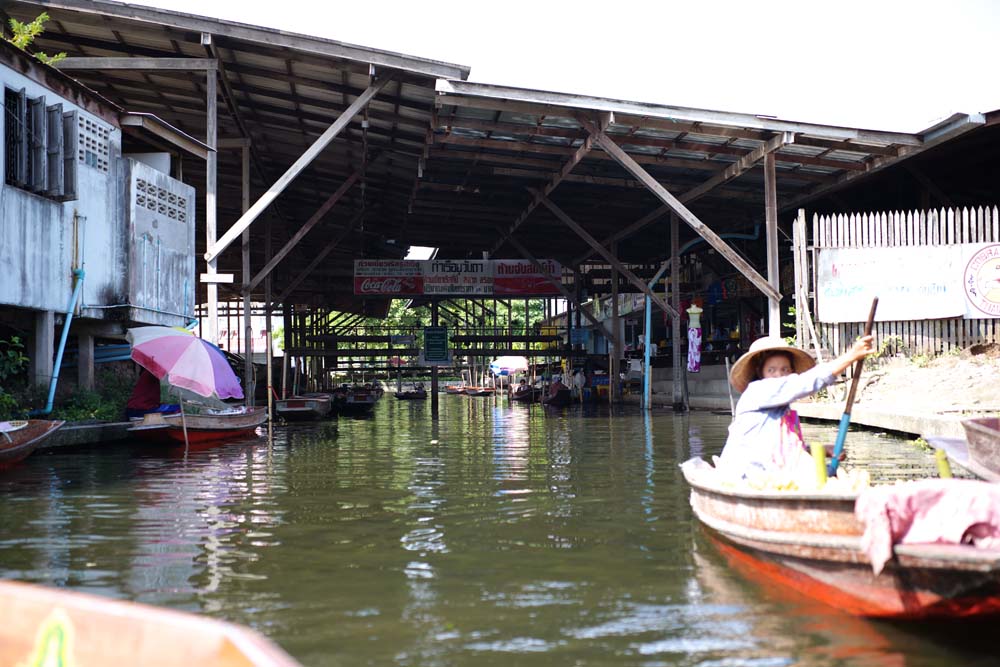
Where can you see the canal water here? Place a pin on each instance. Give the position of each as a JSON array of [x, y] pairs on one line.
[[499, 535]]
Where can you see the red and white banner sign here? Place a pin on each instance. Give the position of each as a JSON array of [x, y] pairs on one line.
[[455, 277], [387, 277], [517, 277]]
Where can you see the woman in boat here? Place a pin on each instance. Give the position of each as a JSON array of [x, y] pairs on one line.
[[145, 397], [765, 435]]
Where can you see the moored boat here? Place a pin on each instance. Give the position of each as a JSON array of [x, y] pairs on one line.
[[207, 427], [526, 394], [43, 626], [983, 435], [561, 398], [454, 389], [306, 406], [813, 542], [415, 394], [20, 438], [356, 401], [479, 391]]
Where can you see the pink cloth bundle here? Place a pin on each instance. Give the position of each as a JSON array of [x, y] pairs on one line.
[[943, 511]]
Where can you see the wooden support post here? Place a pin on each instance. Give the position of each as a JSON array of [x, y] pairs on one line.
[[680, 395], [614, 367], [268, 343], [249, 382], [85, 361], [43, 344], [211, 332], [771, 224], [304, 161]]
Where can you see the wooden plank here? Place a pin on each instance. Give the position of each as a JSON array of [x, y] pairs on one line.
[[304, 160], [139, 63], [682, 211], [771, 236]]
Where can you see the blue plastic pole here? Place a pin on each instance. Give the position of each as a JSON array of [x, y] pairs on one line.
[[79, 274]]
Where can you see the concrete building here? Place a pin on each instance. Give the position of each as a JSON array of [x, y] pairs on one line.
[[95, 233]]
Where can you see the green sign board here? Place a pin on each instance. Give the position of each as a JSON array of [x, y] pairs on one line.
[[436, 346]]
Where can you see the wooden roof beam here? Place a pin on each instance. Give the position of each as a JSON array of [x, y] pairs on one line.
[[734, 170], [304, 160], [608, 256], [557, 178], [680, 209]]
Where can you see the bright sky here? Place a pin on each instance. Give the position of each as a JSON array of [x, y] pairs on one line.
[[878, 64]]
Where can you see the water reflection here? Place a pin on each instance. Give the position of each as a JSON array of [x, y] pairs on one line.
[[499, 534]]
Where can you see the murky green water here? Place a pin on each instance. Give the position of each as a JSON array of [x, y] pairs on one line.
[[497, 536]]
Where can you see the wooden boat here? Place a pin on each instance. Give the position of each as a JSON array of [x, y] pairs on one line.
[[48, 626], [454, 389], [983, 435], [357, 401], [412, 395], [526, 395], [306, 406], [561, 398], [812, 542], [19, 438], [480, 391], [201, 428]]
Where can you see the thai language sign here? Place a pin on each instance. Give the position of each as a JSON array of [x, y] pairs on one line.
[[912, 283], [455, 277]]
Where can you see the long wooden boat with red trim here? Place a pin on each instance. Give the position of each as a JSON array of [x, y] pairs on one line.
[[454, 389], [208, 428], [48, 626], [812, 542], [20, 438], [480, 391]]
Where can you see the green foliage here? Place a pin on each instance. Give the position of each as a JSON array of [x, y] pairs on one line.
[[107, 403], [790, 325], [24, 35], [13, 361]]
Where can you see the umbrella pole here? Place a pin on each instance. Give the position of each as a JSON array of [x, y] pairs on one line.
[[184, 425]]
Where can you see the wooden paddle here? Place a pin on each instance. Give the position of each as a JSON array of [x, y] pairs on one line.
[[845, 419]]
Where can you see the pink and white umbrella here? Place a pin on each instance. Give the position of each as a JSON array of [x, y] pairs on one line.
[[184, 360]]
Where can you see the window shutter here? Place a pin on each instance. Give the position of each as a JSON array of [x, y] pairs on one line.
[[69, 147], [54, 150], [21, 131], [39, 133]]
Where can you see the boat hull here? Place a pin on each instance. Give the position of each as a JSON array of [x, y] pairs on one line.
[[40, 625], [411, 395], [560, 399], [15, 446], [812, 543], [201, 429], [302, 408]]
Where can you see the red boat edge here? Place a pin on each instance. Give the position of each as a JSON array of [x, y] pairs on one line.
[[17, 445], [811, 542], [41, 625]]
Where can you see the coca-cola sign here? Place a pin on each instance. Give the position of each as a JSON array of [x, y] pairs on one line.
[[389, 286]]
